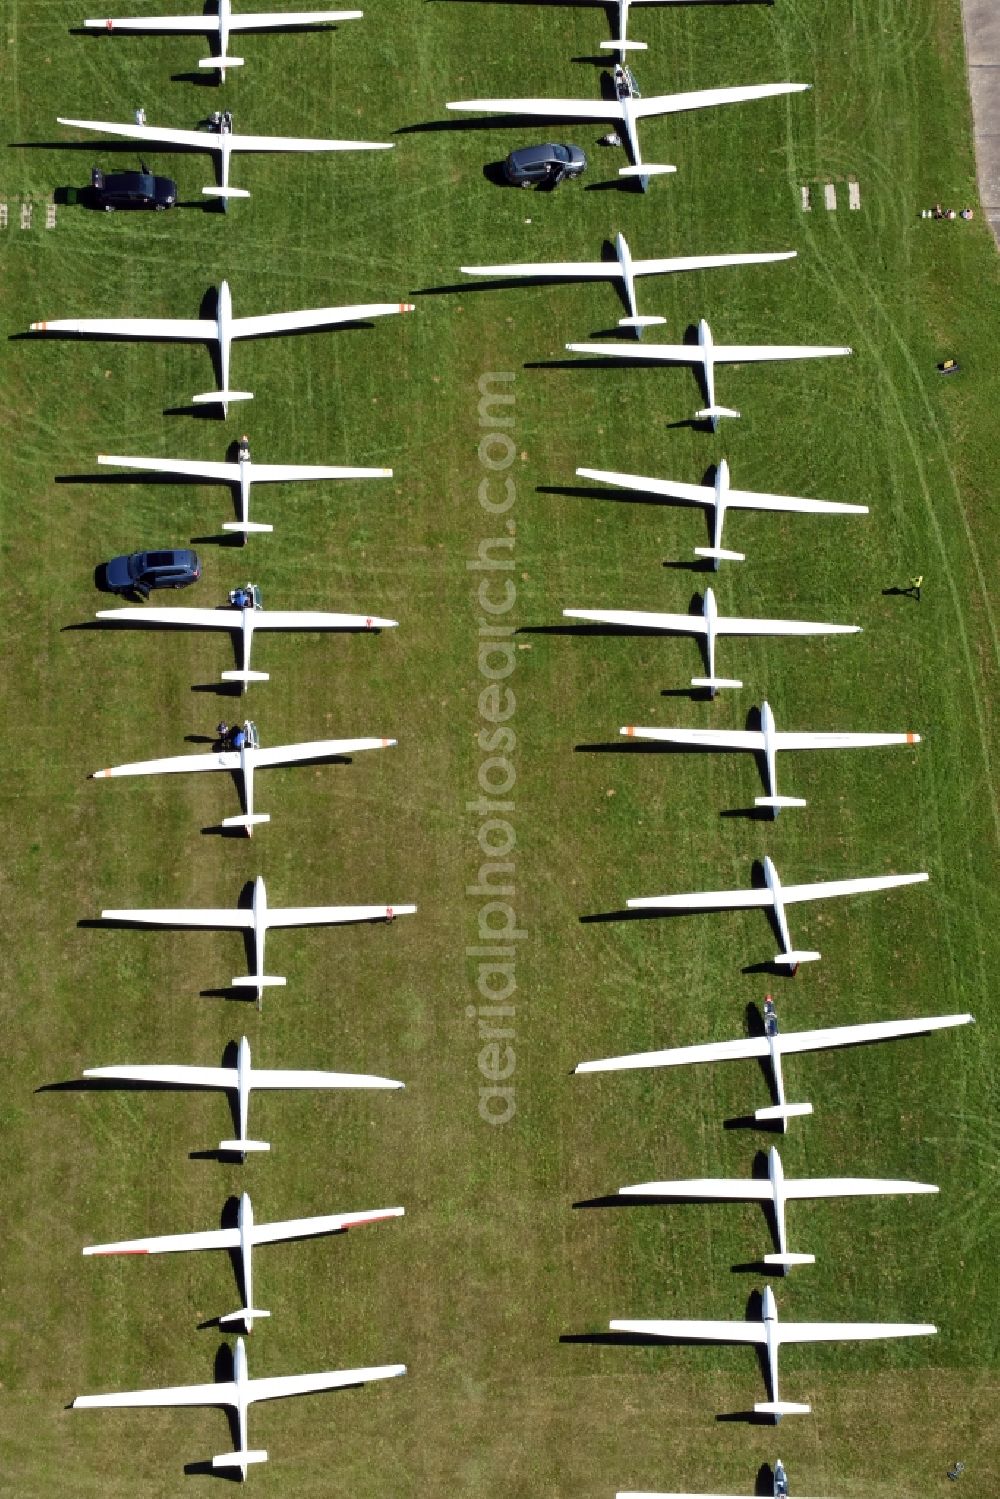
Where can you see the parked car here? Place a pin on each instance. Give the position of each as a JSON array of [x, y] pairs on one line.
[[536, 165], [111, 190], [143, 571]]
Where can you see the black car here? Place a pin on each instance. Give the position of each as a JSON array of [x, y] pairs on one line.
[[111, 190], [143, 571], [550, 165]]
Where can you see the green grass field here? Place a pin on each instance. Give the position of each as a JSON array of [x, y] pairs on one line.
[[492, 1268]]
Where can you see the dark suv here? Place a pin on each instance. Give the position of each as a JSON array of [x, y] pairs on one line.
[[113, 190], [143, 571], [537, 165]]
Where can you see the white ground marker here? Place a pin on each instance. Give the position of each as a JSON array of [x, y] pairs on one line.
[[853, 194], [50, 215], [25, 215], [806, 203], [830, 196]]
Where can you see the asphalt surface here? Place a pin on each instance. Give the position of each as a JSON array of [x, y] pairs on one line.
[[982, 50]]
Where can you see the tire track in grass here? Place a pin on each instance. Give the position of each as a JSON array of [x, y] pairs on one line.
[[875, 303], [924, 489]]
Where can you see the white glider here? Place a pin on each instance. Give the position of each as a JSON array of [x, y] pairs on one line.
[[774, 896], [240, 1080], [772, 1046], [221, 331], [241, 1240], [224, 22], [242, 474], [258, 918], [705, 355], [627, 108], [241, 1392], [720, 497], [766, 742], [624, 269], [775, 1191], [709, 625], [769, 1334], [621, 43], [244, 622], [221, 142], [243, 762]]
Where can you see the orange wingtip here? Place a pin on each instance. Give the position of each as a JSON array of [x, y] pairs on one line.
[[38, 327], [407, 306], [630, 730], [913, 738]]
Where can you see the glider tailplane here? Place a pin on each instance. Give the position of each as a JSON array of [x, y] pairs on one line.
[[222, 63], [239, 1459], [646, 170], [245, 676], [246, 1315], [720, 554], [247, 822], [714, 683], [221, 397], [779, 1408], [259, 981], [783, 1111], [713, 413], [226, 192], [793, 959], [777, 802], [639, 321], [240, 1147], [787, 1260]]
